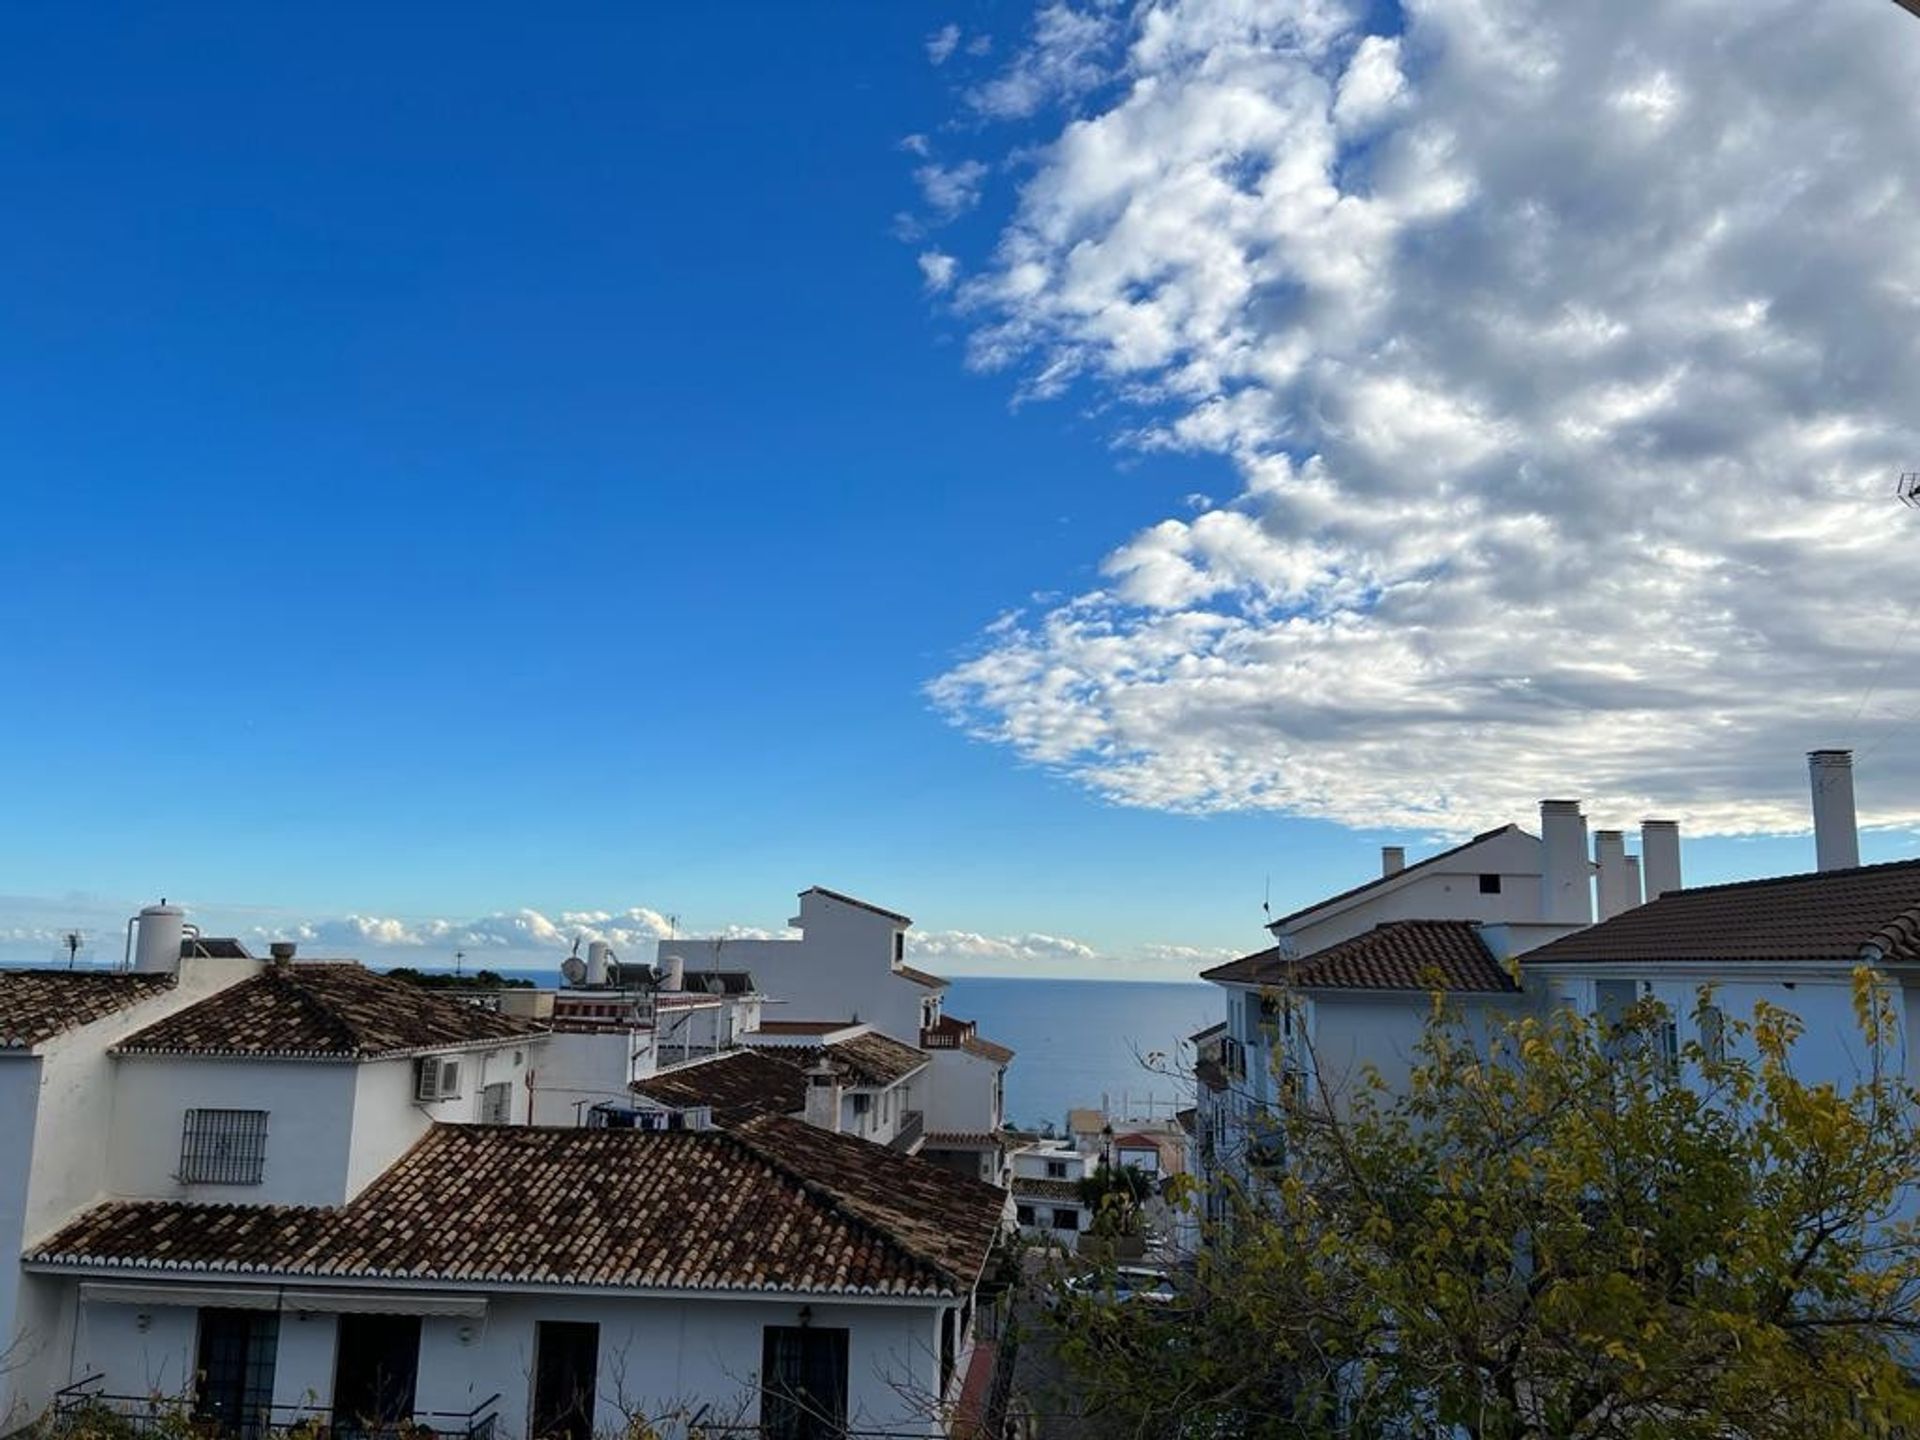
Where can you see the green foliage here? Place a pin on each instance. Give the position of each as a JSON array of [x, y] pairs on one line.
[[1559, 1228], [447, 980]]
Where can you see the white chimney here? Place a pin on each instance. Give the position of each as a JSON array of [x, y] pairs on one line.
[[1634, 897], [823, 1096], [597, 952], [157, 946], [1660, 856], [1610, 857], [1566, 890], [1393, 859], [1836, 833]]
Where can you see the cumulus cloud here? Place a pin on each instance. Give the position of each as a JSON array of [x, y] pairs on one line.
[[942, 43], [937, 271], [951, 189], [1565, 355]]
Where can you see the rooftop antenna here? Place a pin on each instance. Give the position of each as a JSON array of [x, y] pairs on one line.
[[673, 927], [73, 942], [1907, 491], [459, 958], [1266, 898]]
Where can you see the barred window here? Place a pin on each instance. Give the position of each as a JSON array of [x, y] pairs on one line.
[[223, 1147]]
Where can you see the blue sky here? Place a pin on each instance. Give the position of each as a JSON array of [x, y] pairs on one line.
[[458, 464]]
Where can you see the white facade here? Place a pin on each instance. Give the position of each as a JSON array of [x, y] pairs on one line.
[[1046, 1179], [847, 965], [657, 1355]]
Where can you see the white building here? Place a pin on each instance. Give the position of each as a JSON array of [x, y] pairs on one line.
[[259, 1193], [1046, 1191], [848, 968]]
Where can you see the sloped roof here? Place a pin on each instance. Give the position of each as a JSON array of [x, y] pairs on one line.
[[774, 1206], [1383, 880], [986, 1049], [1826, 915], [875, 1059], [36, 1005], [867, 905], [1399, 955], [332, 1010], [739, 1086], [921, 977]]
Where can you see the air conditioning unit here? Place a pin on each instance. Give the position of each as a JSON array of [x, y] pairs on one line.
[[437, 1079]]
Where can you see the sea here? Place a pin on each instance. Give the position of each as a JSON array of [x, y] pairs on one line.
[[1114, 1044]]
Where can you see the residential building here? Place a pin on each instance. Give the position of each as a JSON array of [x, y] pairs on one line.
[[1046, 1191], [966, 1100]]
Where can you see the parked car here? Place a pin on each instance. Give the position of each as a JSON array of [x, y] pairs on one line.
[[1123, 1285]]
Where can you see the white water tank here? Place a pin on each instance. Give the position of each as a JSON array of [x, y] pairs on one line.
[[156, 947], [676, 973], [597, 953]]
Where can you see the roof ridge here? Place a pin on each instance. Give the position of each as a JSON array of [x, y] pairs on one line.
[[1879, 866], [1437, 855], [738, 1136], [329, 1016]]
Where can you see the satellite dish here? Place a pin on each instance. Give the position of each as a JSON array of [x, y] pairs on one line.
[[573, 969], [716, 986]]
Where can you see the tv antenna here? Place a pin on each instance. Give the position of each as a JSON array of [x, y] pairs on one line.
[[1907, 491], [72, 943], [459, 958]]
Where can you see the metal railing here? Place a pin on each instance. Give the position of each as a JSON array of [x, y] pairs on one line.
[[83, 1409]]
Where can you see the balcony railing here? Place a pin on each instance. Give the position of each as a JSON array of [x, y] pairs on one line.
[[82, 1409], [913, 1124]]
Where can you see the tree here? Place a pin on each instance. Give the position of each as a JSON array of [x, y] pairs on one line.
[[1561, 1228]]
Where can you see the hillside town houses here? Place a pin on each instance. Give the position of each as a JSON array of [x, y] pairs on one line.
[[1509, 921], [280, 1193]]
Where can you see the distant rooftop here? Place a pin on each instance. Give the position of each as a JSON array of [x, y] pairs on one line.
[[1399, 955], [858, 904], [331, 1010], [1380, 881]]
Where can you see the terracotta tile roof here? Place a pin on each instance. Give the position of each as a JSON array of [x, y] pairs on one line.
[[986, 1049], [801, 1027], [36, 1005], [334, 1010], [1026, 1187], [1399, 955], [739, 1086], [962, 1140], [774, 1205], [867, 905], [1827, 915], [1415, 868], [921, 977], [875, 1059]]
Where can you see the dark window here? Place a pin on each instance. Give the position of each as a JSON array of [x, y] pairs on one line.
[[1056, 1169], [374, 1374], [223, 1147], [235, 1365], [1489, 884], [566, 1360], [1066, 1219], [1024, 1214], [949, 1347], [862, 1103], [899, 946], [803, 1382]]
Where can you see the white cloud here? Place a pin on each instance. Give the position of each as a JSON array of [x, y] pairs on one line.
[[942, 43], [951, 189], [937, 270], [1566, 356]]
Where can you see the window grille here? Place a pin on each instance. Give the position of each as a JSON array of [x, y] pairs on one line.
[[223, 1147]]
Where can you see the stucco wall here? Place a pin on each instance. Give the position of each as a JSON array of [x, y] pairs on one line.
[[960, 1092], [19, 1096], [1449, 891], [654, 1354]]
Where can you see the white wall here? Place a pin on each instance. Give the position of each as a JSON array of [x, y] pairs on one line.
[[1447, 891], [654, 1354], [577, 1070], [963, 1092], [19, 1095]]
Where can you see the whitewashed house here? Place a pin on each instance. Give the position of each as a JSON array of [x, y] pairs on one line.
[[57, 1028], [1046, 1191], [848, 968], [309, 1191], [1347, 984]]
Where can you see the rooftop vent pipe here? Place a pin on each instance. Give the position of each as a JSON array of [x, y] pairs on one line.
[[282, 951], [1393, 859], [1836, 830]]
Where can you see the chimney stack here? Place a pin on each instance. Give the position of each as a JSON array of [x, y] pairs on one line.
[[1610, 857], [1660, 856], [1393, 859], [1836, 832], [1566, 891], [1634, 895], [282, 951], [823, 1096]]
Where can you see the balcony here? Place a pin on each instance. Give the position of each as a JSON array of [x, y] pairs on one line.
[[82, 1410], [913, 1125]]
